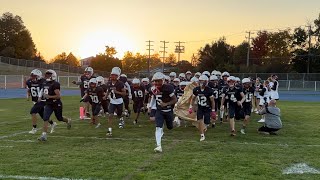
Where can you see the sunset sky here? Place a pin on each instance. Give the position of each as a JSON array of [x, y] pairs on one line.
[[84, 27]]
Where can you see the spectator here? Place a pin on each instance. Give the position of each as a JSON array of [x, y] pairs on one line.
[[272, 119]]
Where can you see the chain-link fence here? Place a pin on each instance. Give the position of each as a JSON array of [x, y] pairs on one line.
[[18, 81]]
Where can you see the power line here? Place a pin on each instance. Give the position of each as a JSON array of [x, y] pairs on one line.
[[149, 50], [179, 49], [164, 52]]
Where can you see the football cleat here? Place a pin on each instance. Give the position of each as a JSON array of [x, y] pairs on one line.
[[261, 121], [33, 131], [213, 125], [135, 122], [98, 125], [243, 131], [202, 138], [158, 149], [233, 133], [53, 126], [109, 133], [43, 137]]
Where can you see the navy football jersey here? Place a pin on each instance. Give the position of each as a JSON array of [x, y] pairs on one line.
[[248, 93], [148, 93], [165, 93], [179, 92], [118, 85], [48, 88], [138, 94], [232, 95], [222, 86], [95, 94], [215, 88], [34, 88], [203, 96], [84, 83]]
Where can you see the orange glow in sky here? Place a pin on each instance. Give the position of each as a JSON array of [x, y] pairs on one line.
[[84, 27]]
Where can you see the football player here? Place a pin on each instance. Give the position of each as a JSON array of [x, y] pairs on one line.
[[172, 76], [51, 92], [116, 92], [175, 83], [84, 85], [95, 94], [223, 83], [214, 85], [147, 94], [126, 99], [138, 92], [165, 98], [34, 85], [206, 105], [105, 101], [235, 99], [248, 92], [188, 75], [197, 75], [182, 77]]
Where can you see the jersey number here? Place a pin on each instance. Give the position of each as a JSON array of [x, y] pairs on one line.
[[233, 98], [248, 97], [202, 100], [35, 91], [112, 94], [216, 94], [138, 94], [86, 84], [94, 99]]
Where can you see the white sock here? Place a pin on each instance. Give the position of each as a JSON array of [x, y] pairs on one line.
[[44, 133], [202, 135], [110, 129], [158, 134], [221, 114]]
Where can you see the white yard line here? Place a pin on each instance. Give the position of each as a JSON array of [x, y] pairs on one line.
[[35, 177], [188, 141], [300, 168], [14, 134], [6, 146]]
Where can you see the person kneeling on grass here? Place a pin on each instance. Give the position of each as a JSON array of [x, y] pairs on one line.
[[272, 119]]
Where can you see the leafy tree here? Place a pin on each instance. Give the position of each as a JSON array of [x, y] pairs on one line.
[[184, 66], [110, 51], [240, 54], [215, 56], [69, 59], [171, 60], [259, 47], [15, 38]]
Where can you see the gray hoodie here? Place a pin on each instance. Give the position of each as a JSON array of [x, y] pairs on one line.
[[272, 117]]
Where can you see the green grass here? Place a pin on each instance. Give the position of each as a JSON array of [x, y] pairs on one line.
[[85, 152]]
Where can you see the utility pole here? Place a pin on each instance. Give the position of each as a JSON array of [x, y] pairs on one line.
[[309, 49], [179, 49], [249, 47], [193, 60], [149, 49], [164, 53]]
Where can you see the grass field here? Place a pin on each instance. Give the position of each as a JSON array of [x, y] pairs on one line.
[[85, 153]]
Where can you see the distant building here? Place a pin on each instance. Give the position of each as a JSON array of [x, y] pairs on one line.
[[86, 62]]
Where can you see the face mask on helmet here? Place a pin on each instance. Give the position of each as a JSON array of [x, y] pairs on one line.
[[87, 74], [48, 76], [231, 83], [33, 77], [176, 83], [135, 86], [203, 83], [93, 85], [113, 77], [158, 83]]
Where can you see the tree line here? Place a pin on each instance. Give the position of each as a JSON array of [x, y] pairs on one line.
[[289, 50]]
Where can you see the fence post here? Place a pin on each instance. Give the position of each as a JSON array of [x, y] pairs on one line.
[[287, 77], [289, 85], [22, 81], [68, 81], [58, 79], [5, 81]]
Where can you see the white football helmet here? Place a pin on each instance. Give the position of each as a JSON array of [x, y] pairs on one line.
[[188, 72], [37, 73], [135, 81], [116, 71], [231, 78], [100, 80], [197, 74], [173, 75], [89, 70], [213, 78], [182, 75], [52, 73], [206, 73], [145, 80], [225, 74], [246, 80], [194, 79], [123, 75], [158, 76]]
